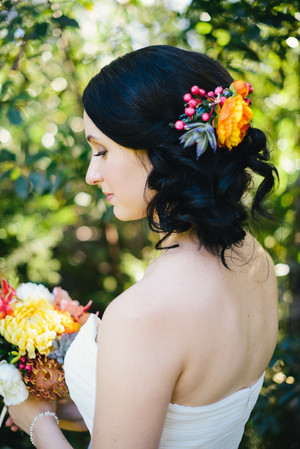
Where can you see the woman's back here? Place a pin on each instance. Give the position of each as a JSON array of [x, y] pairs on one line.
[[224, 321], [203, 331]]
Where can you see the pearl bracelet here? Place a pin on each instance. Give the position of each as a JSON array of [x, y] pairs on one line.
[[35, 420]]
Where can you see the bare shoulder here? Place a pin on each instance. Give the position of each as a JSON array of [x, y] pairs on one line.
[[142, 310], [253, 260], [180, 286], [165, 279], [176, 270], [158, 307]]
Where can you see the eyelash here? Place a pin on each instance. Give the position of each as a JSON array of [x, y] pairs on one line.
[[100, 153]]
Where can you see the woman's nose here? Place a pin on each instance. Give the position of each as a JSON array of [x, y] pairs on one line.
[[93, 175]]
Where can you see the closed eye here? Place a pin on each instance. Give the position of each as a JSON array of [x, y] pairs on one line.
[[100, 153]]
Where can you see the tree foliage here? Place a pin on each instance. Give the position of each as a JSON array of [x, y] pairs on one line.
[[56, 230]]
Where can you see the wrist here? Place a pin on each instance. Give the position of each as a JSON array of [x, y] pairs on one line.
[[41, 415]]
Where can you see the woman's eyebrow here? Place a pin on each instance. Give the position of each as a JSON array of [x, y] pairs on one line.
[[96, 139], [90, 137]]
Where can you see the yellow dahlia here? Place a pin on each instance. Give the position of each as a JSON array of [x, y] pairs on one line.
[[69, 324], [34, 326], [233, 121]]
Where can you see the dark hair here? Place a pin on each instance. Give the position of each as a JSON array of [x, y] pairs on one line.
[[133, 99]]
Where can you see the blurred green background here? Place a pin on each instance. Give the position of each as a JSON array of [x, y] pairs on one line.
[[56, 230]]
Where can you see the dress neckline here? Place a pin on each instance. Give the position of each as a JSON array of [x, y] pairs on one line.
[[257, 384]]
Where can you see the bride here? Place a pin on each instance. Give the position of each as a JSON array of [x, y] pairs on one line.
[[178, 359]]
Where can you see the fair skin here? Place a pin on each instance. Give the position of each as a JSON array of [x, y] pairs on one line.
[[190, 332], [119, 172]]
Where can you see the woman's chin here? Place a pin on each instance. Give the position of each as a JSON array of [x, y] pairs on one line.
[[126, 215]]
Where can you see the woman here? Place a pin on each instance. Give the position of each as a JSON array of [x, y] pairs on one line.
[[181, 354]]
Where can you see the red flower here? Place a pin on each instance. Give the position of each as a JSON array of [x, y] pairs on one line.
[[6, 298]]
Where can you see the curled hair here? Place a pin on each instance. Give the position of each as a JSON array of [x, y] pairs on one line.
[[133, 100]]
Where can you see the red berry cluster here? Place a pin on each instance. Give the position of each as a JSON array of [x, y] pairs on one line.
[[192, 102], [24, 366]]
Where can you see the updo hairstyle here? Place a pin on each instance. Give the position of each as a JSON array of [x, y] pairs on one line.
[[133, 100]]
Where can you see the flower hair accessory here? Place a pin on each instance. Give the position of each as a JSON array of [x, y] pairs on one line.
[[220, 118]]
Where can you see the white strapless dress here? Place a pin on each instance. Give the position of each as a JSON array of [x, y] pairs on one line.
[[216, 426]]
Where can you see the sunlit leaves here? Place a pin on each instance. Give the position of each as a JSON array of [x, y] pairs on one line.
[[223, 37], [203, 28], [53, 228]]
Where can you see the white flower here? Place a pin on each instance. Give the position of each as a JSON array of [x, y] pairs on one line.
[[34, 291], [12, 387]]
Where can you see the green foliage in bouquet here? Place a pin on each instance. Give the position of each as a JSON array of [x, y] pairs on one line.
[[8, 351]]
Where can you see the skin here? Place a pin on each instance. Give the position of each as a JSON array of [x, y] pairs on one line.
[[119, 171], [156, 340]]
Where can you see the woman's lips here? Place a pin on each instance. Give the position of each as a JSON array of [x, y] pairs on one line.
[[109, 196]]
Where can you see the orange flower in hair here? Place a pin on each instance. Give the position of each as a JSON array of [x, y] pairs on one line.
[[218, 118], [233, 121], [241, 87]]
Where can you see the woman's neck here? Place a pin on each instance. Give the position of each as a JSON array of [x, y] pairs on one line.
[[179, 242]]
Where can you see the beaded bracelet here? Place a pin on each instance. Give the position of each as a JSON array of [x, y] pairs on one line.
[[35, 420]]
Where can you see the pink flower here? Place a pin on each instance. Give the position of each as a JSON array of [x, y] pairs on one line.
[[62, 301], [6, 298], [8, 290]]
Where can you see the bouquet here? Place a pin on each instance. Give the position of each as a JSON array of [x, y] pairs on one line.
[[36, 329]]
